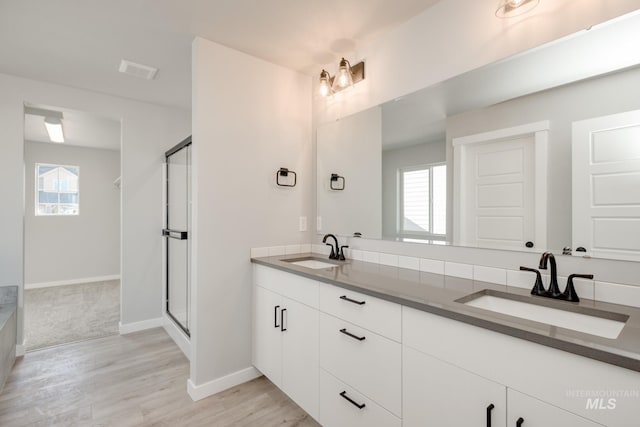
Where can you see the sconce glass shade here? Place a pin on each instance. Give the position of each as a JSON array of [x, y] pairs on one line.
[[344, 77], [325, 83], [510, 8], [54, 129]]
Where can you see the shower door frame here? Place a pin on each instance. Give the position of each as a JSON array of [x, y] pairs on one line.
[[184, 235]]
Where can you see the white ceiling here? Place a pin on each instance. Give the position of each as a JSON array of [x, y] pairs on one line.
[[80, 43], [80, 129]]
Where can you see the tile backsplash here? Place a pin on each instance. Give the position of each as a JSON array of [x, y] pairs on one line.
[[587, 289]]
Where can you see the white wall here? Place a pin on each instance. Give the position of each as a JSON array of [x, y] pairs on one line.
[[74, 247], [392, 160], [250, 118], [601, 96], [147, 131], [351, 147], [452, 37]]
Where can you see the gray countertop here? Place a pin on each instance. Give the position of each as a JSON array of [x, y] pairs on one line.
[[437, 294]]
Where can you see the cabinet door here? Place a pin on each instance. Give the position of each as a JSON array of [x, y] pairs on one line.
[[438, 394], [267, 336], [535, 413], [300, 355]]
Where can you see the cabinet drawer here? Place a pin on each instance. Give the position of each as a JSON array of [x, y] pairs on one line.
[[380, 316], [290, 285], [337, 411], [371, 365], [535, 413]]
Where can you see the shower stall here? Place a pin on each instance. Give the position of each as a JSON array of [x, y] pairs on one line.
[[176, 232]]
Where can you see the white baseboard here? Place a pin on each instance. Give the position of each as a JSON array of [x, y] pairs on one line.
[[178, 336], [198, 392], [129, 328], [71, 282], [20, 350]]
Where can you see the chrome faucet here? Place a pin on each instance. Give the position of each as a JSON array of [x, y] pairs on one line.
[[335, 253]]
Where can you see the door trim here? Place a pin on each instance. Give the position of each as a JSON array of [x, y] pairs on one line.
[[166, 233], [540, 132]]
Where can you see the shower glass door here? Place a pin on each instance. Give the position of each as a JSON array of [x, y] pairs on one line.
[[176, 233]]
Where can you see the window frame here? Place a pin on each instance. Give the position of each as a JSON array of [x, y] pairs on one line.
[[420, 235], [37, 190]]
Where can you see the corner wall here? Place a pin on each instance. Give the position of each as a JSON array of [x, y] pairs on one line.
[[250, 118]]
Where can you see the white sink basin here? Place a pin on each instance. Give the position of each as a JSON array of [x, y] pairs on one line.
[[593, 324], [310, 262]]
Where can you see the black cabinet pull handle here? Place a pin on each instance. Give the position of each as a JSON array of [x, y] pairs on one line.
[[353, 402], [519, 422], [489, 409], [275, 316], [346, 298], [282, 328], [344, 331]]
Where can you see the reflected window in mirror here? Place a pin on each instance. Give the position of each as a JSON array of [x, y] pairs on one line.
[[422, 202]]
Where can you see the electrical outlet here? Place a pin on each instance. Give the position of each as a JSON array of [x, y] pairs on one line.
[[302, 223], [319, 223]]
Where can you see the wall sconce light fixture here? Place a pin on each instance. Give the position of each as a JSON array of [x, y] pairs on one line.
[[510, 8], [346, 77]]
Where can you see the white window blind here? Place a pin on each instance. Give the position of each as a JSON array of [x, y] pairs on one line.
[[423, 201]]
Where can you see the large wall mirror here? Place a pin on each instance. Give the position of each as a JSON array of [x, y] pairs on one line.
[[540, 151]]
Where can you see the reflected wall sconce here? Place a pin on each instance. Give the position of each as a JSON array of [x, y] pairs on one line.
[[510, 8], [346, 76]]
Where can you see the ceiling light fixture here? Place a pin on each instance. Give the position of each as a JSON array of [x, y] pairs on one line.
[[54, 129], [346, 77], [510, 8]]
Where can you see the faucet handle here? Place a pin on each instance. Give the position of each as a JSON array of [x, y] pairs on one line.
[[569, 293], [538, 287], [341, 255], [333, 254]]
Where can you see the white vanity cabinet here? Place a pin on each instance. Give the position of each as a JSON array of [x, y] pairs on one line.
[[440, 394], [285, 339], [526, 411], [353, 360], [436, 393], [543, 386], [360, 359]]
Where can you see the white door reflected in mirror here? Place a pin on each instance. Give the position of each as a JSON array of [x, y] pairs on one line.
[[606, 186]]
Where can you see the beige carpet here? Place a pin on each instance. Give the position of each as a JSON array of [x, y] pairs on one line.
[[64, 314]]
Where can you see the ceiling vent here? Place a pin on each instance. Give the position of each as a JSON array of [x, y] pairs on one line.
[[137, 70]]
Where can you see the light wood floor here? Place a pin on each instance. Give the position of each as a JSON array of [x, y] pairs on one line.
[[132, 380]]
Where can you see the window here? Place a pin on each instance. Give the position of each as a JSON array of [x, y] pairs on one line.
[[423, 201], [57, 189]]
